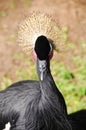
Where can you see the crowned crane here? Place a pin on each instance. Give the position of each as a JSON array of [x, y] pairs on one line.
[[35, 105]]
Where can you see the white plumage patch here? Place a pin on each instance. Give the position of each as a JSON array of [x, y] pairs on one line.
[[7, 126]]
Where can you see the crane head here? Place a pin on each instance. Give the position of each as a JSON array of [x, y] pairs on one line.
[[43, 52], [43, 49]]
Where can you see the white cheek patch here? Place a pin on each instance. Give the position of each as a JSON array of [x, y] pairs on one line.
[[7, 126]]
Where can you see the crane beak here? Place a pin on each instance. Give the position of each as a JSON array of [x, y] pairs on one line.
[[42, 65]]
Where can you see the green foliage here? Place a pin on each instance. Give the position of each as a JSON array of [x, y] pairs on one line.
[[64, 33], [12, 4], [3, 13], [5, 82], [27, 2]]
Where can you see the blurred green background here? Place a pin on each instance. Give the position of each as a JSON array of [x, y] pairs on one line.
[[68, 67]]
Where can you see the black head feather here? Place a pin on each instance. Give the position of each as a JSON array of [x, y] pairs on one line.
[[42, 47]]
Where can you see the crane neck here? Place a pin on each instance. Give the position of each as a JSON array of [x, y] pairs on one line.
[[47, 84], [43, 69], [51, 98]]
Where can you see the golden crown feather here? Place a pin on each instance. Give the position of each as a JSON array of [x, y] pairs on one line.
[[35, 25]]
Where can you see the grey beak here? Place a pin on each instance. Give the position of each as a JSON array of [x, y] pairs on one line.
[[42, 68]]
